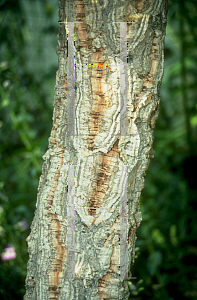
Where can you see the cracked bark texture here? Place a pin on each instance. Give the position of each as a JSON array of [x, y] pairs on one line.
[[98, 152]]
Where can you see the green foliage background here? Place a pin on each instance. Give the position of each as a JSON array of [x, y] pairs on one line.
[[166, 254]]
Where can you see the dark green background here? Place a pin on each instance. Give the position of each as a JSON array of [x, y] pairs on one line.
[[166, 246]]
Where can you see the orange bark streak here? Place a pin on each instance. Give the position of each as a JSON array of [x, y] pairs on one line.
[[105, 170], [61, 251], [98, 97]]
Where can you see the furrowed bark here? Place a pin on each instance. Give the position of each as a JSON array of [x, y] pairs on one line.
[[95, 164]]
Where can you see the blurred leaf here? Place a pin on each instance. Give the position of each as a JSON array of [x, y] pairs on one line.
[[154, 261], [194, 120], [158, 237], [173, 235]]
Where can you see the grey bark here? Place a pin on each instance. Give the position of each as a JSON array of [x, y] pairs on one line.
[[99, 149]]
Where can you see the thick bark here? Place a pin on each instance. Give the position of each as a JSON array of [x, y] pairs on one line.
[[87, 172]]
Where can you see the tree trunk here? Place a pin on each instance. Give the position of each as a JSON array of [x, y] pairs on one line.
[[105, 106]]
